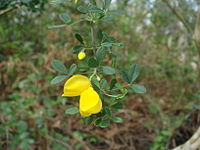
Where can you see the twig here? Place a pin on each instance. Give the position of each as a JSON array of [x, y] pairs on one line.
[[179, 16], [9, 9], [60, 142], [92, 36], [196, 35]]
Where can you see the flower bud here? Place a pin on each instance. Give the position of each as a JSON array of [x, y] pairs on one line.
[[81, 55], [98, 78]]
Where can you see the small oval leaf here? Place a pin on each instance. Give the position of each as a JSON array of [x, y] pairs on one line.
[[100, 54], [72, 69], [108, 70], [72, 111], [104, 123], [57, 26], [58, 79], [117, 119], [125, 76], [134, 72], [82, 9], [59, 66], [79, 38], [139, 88], [65, 18]]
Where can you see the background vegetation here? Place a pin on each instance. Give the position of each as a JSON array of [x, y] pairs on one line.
[[157, 34]]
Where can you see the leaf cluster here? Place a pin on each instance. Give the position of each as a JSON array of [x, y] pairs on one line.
[[105, 76]]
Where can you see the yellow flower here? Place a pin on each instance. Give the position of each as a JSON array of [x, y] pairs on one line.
[[81, 55], [90, 102], [75, 85]]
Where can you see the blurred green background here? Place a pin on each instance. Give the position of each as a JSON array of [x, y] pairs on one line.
[[159, 38]]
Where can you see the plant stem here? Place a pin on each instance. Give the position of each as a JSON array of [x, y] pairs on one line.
[[68, 146], [92, 35], [94, 73], [179, 16], [9, 9]]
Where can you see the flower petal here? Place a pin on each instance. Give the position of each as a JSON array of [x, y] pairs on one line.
[[75, 85], [90, 102]]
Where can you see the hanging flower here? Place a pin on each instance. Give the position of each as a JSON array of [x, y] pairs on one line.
[[75, 85], [90, 102]]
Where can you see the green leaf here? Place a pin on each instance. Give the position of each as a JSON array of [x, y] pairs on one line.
[[112, 83], [72, 69], [57, 26], [107, 18], [103, 84], [86, 17], [100, 54], [72, 111], [138, 88], [117, 119], [117, 105], [119, 45], [100, 35], [115, 12], [107, 111], [65, 18], [102, 114], [116, 54], [92, 63], [82, 9], [97, 122], [165, 132], [22, 126], [94, 9], [79, 38], [125, 76], [106, 44], [153, 109], [108, 38], [108, 70], [107, 4], [96, 83], [104, 123], [76, 49], [58, 79], [134, 72], [56, 2], [59, 66], [88, 120]]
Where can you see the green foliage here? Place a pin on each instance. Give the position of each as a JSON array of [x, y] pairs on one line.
[[92, 62], [72, 111], [160, 140], [33, 5], [97, 47]]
